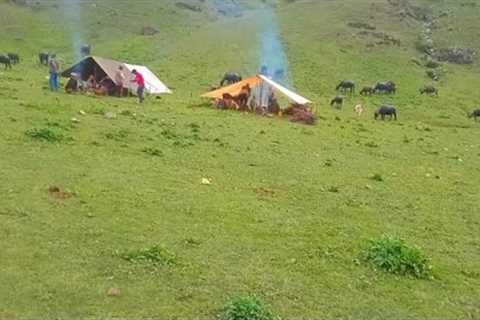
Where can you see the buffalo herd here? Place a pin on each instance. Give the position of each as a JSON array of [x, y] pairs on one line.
[[383, 87]]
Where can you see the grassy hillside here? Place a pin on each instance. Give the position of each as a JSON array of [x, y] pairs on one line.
[[290, 208]]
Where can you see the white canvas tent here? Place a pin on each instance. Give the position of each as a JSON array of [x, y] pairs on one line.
[[153, 85], [102, 67]]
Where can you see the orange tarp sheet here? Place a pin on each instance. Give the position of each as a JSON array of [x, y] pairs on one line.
[[233, 89]]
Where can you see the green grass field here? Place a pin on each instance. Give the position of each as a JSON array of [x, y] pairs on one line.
[[290, 208]]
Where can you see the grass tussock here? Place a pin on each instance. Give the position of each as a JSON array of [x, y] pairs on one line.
[[155, 255], [393, 255], [246, 308], [46, 134]]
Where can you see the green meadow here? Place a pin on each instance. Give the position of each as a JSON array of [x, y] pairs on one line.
[[290, 209]]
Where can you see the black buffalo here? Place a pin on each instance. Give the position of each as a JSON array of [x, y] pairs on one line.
[[230, 78], [346, 85], [4, 59], [367, 91], [43, 58], [385, 87], [14, 57], [386, 111], [430, 90], [337, 102], [475, 114]]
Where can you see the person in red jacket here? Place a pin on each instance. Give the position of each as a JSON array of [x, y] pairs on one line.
[[140, 81]]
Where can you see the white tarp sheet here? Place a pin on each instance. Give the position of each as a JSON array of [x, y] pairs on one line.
[[153, 85], [292, 95]]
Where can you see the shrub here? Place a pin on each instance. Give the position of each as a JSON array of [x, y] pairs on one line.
[[119, 135], [393, 255], [45, 134], [154, 255], [371, 144], [246, 308], [153, 151], [333, 189], [377, 177]]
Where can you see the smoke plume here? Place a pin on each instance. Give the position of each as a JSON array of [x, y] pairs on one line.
[[273, 58], [73, 20]]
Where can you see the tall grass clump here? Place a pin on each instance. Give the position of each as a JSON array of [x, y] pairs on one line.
[[246, 308], [156, 255], [45, 134], [393, 255]]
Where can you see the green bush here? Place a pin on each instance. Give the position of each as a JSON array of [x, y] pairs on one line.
[[45, 134], [333, 189], [154, 255], [246, 308], [152, 151], [119, 135], [377, 177], [393, 255]]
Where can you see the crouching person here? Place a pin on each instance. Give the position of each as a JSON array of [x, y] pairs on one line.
[[73, 84]]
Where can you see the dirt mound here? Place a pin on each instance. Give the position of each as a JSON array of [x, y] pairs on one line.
[[300, 114], [58, 193], [149, 31]]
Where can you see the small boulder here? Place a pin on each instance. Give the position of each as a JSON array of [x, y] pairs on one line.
[[113, 292], [149, 31], [110, 115]]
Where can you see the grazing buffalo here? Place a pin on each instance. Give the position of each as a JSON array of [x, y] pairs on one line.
[[4, 59], [385, 87], [337, 102], [230, 78], [430, 90], [386, 111], [14, 58], [43, 57], [367, 91], [346, 85], [475, 114], [85, 50]]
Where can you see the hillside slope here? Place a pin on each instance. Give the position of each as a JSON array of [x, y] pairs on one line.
[[290, 208]]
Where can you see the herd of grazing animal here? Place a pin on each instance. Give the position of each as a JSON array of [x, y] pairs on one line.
[[381, 87], [385, 87], [10, 59]]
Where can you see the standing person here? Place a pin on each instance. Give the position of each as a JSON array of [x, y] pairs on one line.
[[54, 69], [140, 81], [119, 81]]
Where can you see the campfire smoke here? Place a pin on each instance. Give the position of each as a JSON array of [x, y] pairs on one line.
[[273, 58], [72, 14]]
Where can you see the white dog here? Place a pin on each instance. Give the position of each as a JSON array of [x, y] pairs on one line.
[[359, 109]]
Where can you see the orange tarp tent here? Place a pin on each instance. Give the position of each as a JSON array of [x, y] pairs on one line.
[[236, 88]]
